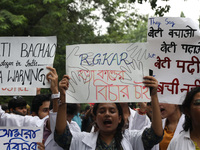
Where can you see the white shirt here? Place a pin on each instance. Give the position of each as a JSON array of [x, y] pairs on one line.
[[137, 121], [132, 140], [50, 143], [182, 142], [7, 119]]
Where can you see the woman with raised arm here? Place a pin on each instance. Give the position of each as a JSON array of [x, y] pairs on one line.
[[109, 119]]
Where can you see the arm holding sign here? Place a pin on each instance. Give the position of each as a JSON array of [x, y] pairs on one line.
[[156, 129], [61, 124], [16, 120], [52, 77], [61, 115]]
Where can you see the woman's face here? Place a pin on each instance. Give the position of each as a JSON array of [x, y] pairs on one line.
[[168, 110], [107, 117], [195, 110]]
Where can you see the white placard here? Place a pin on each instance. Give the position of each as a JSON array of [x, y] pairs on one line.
[[20, 137], [174, 47], [102, 73], [23, 91], [23, 61]]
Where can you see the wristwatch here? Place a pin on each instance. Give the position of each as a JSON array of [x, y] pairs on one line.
[[54, 96]]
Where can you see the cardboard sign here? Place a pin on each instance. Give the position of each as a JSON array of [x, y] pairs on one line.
[[23, 91], [174, 47], [23, 61], [104, 73], [19, 138]]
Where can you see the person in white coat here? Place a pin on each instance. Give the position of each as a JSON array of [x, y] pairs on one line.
[[189, 139], [72, 109], [135, 120], [31, 121], [109, 119], [172, 122]]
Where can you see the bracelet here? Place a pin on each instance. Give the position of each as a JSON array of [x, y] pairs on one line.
[[54, 96], [141, 113]]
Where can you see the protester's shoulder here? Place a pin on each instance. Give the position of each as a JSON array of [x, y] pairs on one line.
[[180, 140], [132, 112], [182, 135], [74, 126], [82, 135]]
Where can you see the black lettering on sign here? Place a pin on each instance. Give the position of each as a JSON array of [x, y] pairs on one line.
[[1, 79], [38, 50], [26, 76], [5, 49]]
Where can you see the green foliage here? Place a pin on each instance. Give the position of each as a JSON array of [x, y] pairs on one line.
[[74, 22]]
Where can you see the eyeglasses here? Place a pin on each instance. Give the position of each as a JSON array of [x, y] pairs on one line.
[[197, 102]]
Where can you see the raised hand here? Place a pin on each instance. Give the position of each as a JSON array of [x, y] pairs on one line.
[[63, 86], [151, 82], [52, 77]]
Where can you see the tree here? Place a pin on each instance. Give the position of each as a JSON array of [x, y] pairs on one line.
[[72, 21]]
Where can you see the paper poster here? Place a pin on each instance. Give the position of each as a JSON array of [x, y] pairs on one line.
[[23, 61], [22, 91], [104, 73], [174, 50], [20, 138]]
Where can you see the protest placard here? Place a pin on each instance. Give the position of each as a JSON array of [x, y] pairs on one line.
[[107, 73], [23, 91], [23, 61], [20, 138], [174, 47]]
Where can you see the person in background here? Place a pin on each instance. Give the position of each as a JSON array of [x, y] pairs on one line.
[[28, 107], [72, 110], [77, 117], [17, 105], [41, 105], [189, 138], [135, 119], [34, 121], [172, 122], [88, 119], [5, 107]]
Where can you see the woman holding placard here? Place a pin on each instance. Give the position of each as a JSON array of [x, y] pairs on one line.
[[109, 119]]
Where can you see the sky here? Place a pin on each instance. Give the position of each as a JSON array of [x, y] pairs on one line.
[[190, 8]]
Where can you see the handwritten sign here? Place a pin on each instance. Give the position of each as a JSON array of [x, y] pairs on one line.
[[19, 138], [23, 91], [23, 61], [107, 73], [175, 45]]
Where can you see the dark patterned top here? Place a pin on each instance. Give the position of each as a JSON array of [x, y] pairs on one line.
[[101, 145], [149, 139]]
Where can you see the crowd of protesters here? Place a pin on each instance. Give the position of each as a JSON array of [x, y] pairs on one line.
[[107, 126]]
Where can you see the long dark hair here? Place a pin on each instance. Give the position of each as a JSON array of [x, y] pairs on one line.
[[118, 135], [186, 108]]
